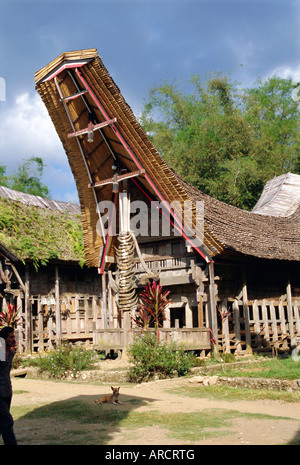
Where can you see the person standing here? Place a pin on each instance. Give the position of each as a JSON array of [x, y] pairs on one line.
[[6, 419]]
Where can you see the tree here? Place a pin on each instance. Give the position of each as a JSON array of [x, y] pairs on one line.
[[224, 140], [28, 177], [3, 178]]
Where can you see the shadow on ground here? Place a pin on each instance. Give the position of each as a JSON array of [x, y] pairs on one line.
[[77, 420]]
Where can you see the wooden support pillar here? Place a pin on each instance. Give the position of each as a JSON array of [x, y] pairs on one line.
[[213, 322], [167, 321], [104, 301], [28, 316], [225, 326], [274, 324], [95, 321], [21, 338], [200, 312], [257, 329], [57, 307], [40, 325], [236, 325], [198, 277], [69, 320], [297, 318], [290, 310], [283, 325], [246, 318], [265, 321], [188, 315]]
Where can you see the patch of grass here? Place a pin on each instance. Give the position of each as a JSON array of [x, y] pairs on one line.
[[234, 394], [276, 368], [101, 423]]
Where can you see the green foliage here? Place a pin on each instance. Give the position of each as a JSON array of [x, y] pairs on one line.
[[3, 178], [224, 140], [66, 359], [28, 178], [39, 234], [151, 356]]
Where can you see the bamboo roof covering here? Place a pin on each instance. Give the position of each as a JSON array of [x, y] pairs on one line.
[[78, 90]]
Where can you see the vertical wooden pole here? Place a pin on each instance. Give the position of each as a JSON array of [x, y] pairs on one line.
[[188, 315], [86, 315], [282, 324], [21, 342], [110, 305], [256, 324], [200, 312], [57, 307], [225, 326], [77, 312], [297, 318], [265, 320], [236, 324], [69, 319], [28, 317], [166, 322], [104, 301], [213, 304], [95, 321], [290, 310], [274, 324], [40, 324], [246, 318]]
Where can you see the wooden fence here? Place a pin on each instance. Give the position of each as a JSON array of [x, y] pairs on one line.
[[258, 324]]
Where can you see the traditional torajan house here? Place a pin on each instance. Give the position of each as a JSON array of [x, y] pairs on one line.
[[233, 274], [42, 271]]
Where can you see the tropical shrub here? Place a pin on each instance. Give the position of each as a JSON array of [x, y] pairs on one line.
[[66, 360], [151, 357]]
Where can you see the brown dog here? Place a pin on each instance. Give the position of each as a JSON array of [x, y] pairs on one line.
[[113, 398]]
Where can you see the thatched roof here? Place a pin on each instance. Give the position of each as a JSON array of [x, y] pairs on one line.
[[280, 197], [37, 201], [125, 142], [36, 229]]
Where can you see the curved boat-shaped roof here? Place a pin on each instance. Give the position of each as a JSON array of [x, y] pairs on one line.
[[80, 94]]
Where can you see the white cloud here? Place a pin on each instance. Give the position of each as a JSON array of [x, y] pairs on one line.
[[287, 72], [26, 130]]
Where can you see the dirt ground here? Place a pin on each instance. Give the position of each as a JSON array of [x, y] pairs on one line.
[[149, 397]]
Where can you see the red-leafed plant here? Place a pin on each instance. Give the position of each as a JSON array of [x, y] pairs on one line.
[[9, 316], [152, 306]]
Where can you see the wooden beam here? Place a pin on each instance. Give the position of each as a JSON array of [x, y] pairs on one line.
[[57, 307], [290, 310], [225, 325], [28, 316], [246, 318], [212, 303]]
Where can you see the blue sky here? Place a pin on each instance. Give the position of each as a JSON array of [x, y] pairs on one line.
[[141, 42]]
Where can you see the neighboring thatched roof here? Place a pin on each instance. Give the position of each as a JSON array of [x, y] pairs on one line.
[[226, 227], [280, 197], [250, 233], [41, 202], [36, 229]]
